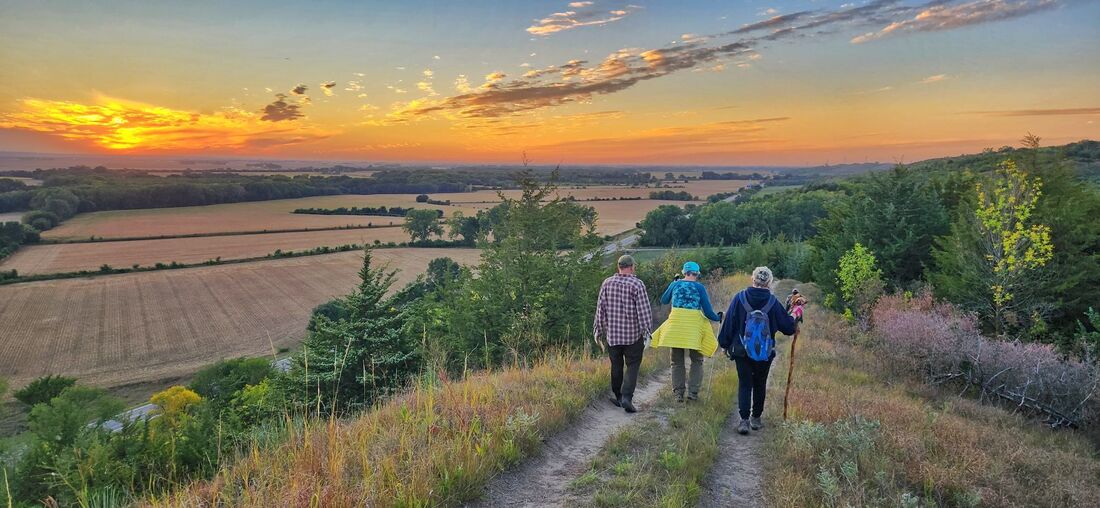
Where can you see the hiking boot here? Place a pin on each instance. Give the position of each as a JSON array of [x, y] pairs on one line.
[[628, 405], [615, 401], [693, 396], [679, 397], [755, 423], [743, 427]]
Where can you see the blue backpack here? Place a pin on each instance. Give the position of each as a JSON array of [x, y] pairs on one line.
[[757, 339]]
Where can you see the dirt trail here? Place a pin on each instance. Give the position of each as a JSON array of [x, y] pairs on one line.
[[544, 479], [734, 479]]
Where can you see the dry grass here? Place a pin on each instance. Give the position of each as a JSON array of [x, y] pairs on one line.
[[119, 329], [933, 445], [72, 257], [435, 446]]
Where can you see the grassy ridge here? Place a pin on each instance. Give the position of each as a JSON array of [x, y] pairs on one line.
[[436, 445], [861, 436]]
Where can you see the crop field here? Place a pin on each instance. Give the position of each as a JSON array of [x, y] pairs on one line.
[[233, 217], [72, 257], [11, 216], [272, 215], [120, 329]]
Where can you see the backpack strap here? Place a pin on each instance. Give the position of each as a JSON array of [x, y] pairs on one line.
[[745, 302], [768, 306]]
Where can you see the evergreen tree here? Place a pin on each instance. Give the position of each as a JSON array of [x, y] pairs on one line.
[[350, 361], [897, 215]]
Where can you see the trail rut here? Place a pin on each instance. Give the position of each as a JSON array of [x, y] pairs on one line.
[[734, 479], [544, 479]]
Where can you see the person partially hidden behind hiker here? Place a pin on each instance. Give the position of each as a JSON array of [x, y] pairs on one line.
[[687, 331], [624, 317], [748, 336]]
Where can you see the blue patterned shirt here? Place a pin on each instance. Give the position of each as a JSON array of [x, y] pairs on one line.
[[689, 294]]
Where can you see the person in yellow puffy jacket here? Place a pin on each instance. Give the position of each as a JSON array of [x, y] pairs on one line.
[[687, 331]]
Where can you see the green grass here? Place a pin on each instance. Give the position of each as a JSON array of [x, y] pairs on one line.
[[661, 459], [776, 189]]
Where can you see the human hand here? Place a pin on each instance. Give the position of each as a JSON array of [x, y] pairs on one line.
[[600, 344]]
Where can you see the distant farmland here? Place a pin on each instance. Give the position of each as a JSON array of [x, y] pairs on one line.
[[273, 215], [121, 329], [233, 217], [72, 257]]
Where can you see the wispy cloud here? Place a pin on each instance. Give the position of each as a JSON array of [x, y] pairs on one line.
[[934, 79], [1040, 112], [945, 15], [582, 14], [327, 87], [580, 80], [299, 90], [116, 124]]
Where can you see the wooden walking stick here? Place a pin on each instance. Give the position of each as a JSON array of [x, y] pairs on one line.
[[790, 371], [790, 367]]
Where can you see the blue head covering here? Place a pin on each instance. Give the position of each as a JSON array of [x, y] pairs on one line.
[[691, 266]]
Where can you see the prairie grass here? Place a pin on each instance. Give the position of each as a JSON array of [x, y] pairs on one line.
[[436, 445], [862, 436], [661, 459]]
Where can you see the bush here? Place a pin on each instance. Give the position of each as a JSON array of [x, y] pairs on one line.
[[41, 219], [43, 389], [942, 343], [221, 381]]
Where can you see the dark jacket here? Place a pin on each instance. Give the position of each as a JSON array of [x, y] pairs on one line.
[[729, 337]]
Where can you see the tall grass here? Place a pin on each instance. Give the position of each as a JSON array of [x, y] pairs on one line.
[[436, 445], [860, 435]]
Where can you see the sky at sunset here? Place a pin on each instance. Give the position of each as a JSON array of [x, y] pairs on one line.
[[653, 82]]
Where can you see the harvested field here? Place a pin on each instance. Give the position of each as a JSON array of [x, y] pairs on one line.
[[120, 329], [233, 217], [73, 257], [274, 215], [11, 216], [614, 217]]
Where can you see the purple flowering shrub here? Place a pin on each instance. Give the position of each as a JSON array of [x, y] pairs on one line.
[[942, 343]]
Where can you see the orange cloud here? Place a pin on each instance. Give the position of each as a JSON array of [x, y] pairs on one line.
[[120, 125]]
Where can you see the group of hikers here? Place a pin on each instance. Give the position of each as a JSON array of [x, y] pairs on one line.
[[747, 335]]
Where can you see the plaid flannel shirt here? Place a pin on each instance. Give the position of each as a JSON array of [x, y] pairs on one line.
[[623, 311]]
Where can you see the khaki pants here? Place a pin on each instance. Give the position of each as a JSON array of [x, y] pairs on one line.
[[695, 378]]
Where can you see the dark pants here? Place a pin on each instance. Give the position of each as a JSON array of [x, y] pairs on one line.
[[631, 355], [752, 384]]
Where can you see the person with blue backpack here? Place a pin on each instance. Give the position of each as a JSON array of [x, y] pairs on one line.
[[748, 337]]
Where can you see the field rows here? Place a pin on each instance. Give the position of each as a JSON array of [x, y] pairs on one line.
[[71, 257], [120, 329], [273, 215]]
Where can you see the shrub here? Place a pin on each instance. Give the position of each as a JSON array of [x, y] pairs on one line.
[[942, 344], [43, 389], [221, 381]]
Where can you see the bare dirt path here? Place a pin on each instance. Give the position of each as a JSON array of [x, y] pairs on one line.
[[734, 479], [544, 479]]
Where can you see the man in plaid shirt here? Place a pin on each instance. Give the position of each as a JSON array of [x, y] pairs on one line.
[[624, 317]]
